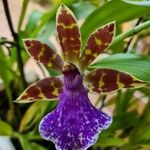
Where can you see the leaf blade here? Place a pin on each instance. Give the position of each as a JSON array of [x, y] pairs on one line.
[[145, 3], [5, 128]]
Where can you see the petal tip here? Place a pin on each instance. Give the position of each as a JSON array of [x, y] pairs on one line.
[[21, 100], [18, 100], [60, 8], [112, 28], [62, 5], [27, 42]]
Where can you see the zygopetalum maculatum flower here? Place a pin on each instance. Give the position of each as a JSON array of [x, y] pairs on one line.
[[75, 123]]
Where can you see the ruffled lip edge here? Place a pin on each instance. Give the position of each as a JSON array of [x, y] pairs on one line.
[[95, 138]]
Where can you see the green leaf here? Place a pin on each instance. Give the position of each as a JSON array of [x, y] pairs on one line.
[[145, 91], [37, 146], [46, 31], [112, 11], [34, 113], [110, 141], [49, 16], [32, 136], [23, 141], [80, 11], [140, 3], [22, 15], [44, 19], [5, 74], [66, 2], [145, 115], [53, 72], [124, 121], [145, 146], [129, 146], [5, 128], [141, 133], [123, 101], [138, 66], [32, 22]]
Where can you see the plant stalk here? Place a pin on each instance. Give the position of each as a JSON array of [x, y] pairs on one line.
[[131, 39], [22, 15], [16, 39], [131, 32]]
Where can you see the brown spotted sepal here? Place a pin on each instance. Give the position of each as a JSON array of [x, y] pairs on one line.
[[107, 80], [97, 43], [44, 54], [46, 89], [68, 34]]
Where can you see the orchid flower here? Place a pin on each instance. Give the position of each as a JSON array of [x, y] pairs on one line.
[[75, 123]]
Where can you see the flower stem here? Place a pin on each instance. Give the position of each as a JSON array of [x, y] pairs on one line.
[[102, 99], [131, 32], [131, 39], [43, 72], [103, 102], [16, 39], [23, 11]]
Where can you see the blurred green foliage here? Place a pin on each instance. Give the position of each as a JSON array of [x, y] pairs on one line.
[[130, 129]]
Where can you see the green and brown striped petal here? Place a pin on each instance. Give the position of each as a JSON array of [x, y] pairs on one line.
[[107, 80], [46, 89], [97, 43], [68, 33], [42, 53]]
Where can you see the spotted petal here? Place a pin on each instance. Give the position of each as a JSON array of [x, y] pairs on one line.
[[68, 33], [97, 43], [75, 124], [44, 54], [46, 89], [107, 80]]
